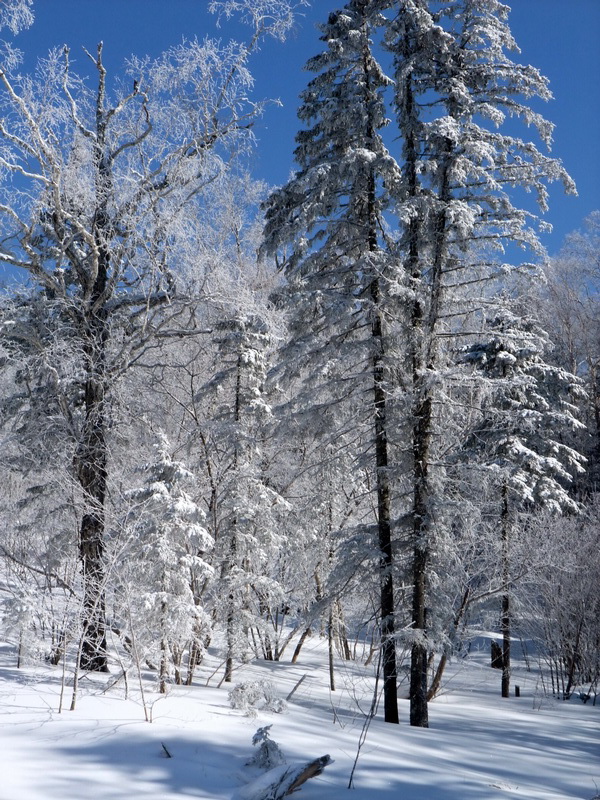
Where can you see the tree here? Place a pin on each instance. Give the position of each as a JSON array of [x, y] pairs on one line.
[[16, 15], [39, 381], [248, 509], [331, 213], [560, 608], [456, 215], [569, 311], [165, 559], [109, 207], [525, 432]]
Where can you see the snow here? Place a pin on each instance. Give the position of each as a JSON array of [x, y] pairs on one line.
[[478, 745]]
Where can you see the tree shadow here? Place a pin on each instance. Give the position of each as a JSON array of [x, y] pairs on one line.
[[142, 767]]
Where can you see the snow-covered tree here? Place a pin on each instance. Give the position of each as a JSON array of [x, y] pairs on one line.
[[111, 204], [16, 15], [568, 303], [455, 85], [558, 606], [39, 503], [165, 567], [249, 511], [525, 433], [330, 214]]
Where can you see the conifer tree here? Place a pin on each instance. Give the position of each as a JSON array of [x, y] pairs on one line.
[[166, 561], [247, 510], [525, 432], [339, 277], [454, 87]]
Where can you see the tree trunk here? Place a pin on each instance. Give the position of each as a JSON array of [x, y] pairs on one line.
[[306, 632], [439, 673], [424, 362], [421, 439], [436, 681], [421, 418], [341, 632], [330, 651], [230, 636], [194, 658], [380, 423], [384, 528], [230, 561], [91, 461], [574, 657], [419, 714], [506, 645], [505, 618], [91, 458]]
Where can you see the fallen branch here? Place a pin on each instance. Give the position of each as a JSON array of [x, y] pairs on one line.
[[291, 694], [167, 753]]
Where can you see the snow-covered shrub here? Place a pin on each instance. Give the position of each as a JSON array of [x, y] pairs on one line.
[[269, 753], [254, 696]]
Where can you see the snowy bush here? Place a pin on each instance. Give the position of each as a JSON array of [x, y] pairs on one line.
[[269, 753], [254, 696]]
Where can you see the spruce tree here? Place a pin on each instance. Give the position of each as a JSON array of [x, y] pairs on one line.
[[339, 276], [524, 436], [166, 560], [454, 88]]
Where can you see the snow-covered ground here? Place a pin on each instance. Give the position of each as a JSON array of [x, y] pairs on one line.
[[478, 746]]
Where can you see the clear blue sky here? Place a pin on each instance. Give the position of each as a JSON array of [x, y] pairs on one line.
[[560, 37]]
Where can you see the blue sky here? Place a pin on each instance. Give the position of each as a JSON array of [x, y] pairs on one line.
[[560, 37]]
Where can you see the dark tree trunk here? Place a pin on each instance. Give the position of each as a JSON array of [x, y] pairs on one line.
[[231, 561], [506, 645], [574, 657], [421, 420], [330, 651], [305, 633], [424, 362], [384, 527], [230, 638], [91, 466], [496, 656], [421, 436], [91, 458], [419, 714], [505, 617]]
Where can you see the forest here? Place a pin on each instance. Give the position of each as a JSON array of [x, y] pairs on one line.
[[362, 406]]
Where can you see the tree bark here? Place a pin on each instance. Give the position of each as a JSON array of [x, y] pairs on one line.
[[330, 651], [91, 459], [305, 633], [421, 434], [424, 363], [384, 529], [380, 423], [91, 470], [505, 618]]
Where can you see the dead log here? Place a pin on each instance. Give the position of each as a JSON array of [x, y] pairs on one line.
[[281, 781], [311, 770]]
